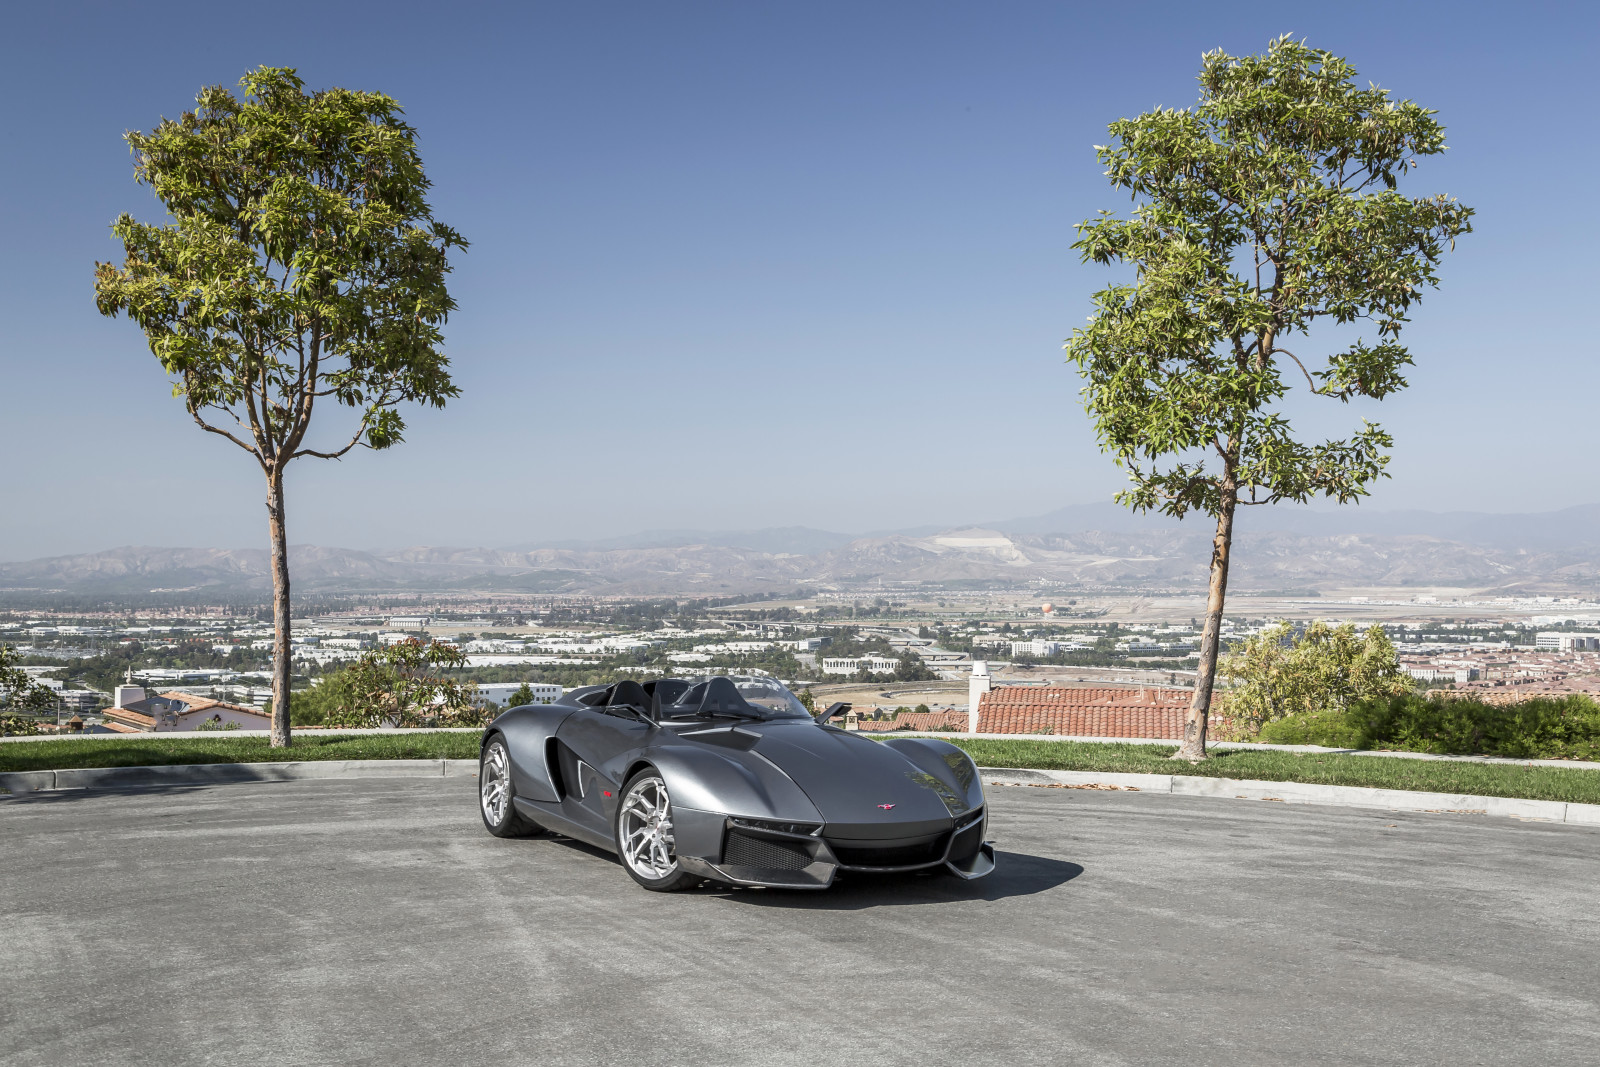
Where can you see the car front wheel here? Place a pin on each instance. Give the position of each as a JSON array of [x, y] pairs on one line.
[[495, 794], [644, 835]]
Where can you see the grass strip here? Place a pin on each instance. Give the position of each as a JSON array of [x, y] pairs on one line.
[[152, 751], [1573, 786], [1433, 776]]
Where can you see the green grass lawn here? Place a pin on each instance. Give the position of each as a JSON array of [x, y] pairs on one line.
[[1381, 772], [218, 747], [1436, 776]]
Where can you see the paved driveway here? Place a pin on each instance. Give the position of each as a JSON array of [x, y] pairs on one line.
[[374, 922]]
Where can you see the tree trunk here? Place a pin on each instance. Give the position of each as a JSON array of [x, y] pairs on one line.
[[280, 609], [1195, 723]]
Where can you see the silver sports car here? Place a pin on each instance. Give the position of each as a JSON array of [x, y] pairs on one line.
[[730, 780]]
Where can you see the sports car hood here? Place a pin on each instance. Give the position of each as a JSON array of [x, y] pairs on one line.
[[865, 784]]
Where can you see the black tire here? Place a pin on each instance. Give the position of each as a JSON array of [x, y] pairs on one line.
[[661, 878], [500, 815]]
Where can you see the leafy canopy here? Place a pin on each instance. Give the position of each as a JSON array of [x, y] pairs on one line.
[[20, 696], [1266, 208], [404, 684], [1326, 669], [301, 262]]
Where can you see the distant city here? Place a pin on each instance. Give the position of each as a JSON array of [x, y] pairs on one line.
[[886, 653]]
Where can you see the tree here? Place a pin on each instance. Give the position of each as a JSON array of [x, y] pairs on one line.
[[911, 668], [20, 697], [523, 695], [404, 684], [1325, 669], [1267, 209], [302, 263]]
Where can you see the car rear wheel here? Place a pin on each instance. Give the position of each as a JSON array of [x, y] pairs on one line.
[[495, 794], [644, 835]]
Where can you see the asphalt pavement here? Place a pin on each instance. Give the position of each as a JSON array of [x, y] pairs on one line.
[[374, 922]]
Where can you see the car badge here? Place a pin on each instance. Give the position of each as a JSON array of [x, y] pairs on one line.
[[886, 807]]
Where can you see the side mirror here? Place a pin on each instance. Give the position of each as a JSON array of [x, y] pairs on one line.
[[832, 711]]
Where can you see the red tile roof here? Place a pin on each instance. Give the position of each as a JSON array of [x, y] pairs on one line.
[[917, 720], [1147, 712], [198, 703], [136, 718]]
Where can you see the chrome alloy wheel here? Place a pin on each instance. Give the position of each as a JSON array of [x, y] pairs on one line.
[[494, 784], [648, 846]]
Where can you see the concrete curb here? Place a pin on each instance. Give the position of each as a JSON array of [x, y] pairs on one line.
[[1301, 793], [22, 782]]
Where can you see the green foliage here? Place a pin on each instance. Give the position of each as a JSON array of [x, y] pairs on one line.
[[403, 685], [1573, 785], [523, 695], [314, 706], [922, 709], [808, 699], [1268, 207], [301, 262], [1537, 728], [20, 697], [1325, 669]]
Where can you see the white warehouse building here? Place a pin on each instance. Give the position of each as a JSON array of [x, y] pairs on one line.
[[855, 664], [500, 692], [1044, 648], [1568, 642]]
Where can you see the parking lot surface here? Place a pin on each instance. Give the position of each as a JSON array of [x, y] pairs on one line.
[[374, 922]]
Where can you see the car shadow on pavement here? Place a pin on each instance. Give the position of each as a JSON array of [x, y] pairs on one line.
[[67, 796]]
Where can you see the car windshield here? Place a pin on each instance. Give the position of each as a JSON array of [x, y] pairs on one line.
[[772, 696], [736, 697]]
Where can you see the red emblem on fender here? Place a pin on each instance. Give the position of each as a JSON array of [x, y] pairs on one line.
[[886, 807]]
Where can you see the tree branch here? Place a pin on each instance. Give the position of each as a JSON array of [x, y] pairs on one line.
[[1309, 383], [206, 426]]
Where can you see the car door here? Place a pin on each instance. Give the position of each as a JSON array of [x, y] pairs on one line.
[[596, 746]]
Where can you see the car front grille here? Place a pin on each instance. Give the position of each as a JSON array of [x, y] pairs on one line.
[[890, 853], [748, 850]]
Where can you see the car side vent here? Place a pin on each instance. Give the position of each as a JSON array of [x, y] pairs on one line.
[[747, 850]]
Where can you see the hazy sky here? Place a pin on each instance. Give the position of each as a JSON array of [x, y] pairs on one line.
[[755, 264]]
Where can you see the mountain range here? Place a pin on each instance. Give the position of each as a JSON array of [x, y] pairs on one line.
[[1093, 547]]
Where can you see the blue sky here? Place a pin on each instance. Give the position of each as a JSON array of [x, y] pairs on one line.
[[743, 265]]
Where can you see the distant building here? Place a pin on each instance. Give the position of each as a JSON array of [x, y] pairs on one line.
[[1443, 674], [346, 642], [500, 692], [410, 622], [137, 713], [1568, 642], [856, 664], [804, 644], [1044, 648]]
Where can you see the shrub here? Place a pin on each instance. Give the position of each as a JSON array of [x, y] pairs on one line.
[[1327, 668], [1537, 728], [398, 685]]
